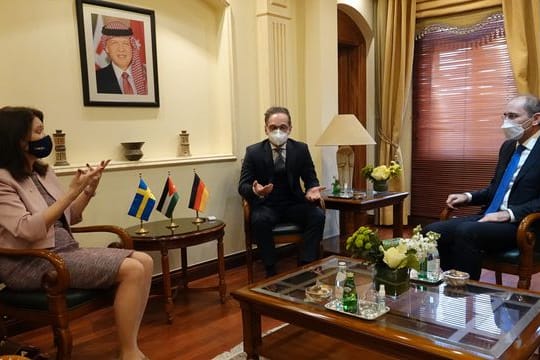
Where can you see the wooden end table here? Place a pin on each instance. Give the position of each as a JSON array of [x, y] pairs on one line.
[[349, 207], [160, 238]]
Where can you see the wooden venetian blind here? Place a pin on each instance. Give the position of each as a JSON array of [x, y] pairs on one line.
[[462, 82]]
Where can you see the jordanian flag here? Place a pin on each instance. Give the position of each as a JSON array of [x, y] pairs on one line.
[[143, 202], [199, 195], [169, 198]]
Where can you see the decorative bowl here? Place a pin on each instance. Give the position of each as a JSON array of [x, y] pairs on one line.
[[319, 292], [132, 150], [455, 277]]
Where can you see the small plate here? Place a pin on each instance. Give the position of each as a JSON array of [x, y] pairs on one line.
[[366, 309], [414, 277]]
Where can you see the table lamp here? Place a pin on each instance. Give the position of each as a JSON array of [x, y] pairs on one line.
[[345, 130]]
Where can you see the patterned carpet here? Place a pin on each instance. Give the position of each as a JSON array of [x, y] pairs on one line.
[[237, 352]]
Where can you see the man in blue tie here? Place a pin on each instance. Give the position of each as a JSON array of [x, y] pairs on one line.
[[514, 192]]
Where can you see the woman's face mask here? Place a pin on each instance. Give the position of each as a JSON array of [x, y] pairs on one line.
[[41, 148], [512, 130]]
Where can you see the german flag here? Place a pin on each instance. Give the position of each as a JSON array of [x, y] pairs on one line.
[[199, 195]]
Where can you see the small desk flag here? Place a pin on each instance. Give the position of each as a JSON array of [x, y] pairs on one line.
[[199, 195], [169, 198], [143, 202]]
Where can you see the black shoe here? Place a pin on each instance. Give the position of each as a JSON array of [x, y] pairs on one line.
[[270, 270]]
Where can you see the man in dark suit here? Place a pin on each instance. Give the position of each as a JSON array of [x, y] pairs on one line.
[[125, 73], [513, 193], [270, 182]]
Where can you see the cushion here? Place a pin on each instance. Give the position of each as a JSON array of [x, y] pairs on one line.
[[511, 256], [286, 229], [37, 300]]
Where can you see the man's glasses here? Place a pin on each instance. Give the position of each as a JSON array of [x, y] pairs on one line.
[[510, 116]]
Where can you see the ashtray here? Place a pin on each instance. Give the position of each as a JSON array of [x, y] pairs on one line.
[[358, 194], [455, 277], [319, 292]]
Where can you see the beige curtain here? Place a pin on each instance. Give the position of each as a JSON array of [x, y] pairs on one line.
[[441, 8], [522, 27], [395, 29]]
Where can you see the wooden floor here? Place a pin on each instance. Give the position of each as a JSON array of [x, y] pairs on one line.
[[202, 328]]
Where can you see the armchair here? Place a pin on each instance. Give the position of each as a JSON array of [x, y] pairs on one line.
[[283, 233], [57, 304], [523, 261]]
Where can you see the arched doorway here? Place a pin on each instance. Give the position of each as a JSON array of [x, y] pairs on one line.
[[352, 100]]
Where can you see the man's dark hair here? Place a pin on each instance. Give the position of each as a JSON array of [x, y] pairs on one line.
[[532, 105], [276, 110], [15, 127]]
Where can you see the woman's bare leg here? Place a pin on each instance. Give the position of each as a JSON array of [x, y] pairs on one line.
[[148, 265], [134, 277]]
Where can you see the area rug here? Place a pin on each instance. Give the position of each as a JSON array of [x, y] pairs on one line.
[[237, 352]]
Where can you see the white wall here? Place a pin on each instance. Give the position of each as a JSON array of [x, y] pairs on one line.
[[208, 85]]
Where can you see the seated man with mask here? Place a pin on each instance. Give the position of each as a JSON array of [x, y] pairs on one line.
[[270, 182], [514, 192]]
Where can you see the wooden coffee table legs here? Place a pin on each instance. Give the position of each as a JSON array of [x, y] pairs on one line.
[[251, 327]]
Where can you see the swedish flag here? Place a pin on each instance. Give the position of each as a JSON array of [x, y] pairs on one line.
[[143, 202]]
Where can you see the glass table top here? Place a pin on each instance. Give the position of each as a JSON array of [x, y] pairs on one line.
[[479, 318]]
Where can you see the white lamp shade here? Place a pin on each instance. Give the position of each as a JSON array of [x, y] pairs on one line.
[[345, 129]]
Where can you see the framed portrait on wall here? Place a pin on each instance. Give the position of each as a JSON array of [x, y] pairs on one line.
[[118, 54]]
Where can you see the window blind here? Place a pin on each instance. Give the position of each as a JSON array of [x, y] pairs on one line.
[[462, 81]]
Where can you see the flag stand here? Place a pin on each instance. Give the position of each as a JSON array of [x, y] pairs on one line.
[[141, 230], [172, 225], [198, 219]]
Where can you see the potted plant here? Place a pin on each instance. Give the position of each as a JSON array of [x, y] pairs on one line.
[[380, 175], [392, 258]]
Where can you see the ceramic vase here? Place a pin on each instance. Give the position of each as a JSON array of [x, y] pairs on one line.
[[132, 150], [380, 185]]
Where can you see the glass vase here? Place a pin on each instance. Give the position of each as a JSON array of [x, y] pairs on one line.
[[396, 281]]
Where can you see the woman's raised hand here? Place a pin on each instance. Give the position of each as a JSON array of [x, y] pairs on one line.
[[87, 179]]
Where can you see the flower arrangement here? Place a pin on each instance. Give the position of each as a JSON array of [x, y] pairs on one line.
[[381, 172], [395, 253]]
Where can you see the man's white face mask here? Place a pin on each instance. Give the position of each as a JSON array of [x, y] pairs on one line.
[[512, 130], [278, 137]]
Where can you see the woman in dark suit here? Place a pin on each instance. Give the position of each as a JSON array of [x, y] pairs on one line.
[[36, 213]]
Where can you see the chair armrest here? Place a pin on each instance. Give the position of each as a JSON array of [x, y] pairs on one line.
[[54, 281], [321, 203], [526, 238], [125, 240], [446, 213], [247, 215]]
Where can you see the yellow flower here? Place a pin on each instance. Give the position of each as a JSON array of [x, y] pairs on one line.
[[395, 256], [380, 173]]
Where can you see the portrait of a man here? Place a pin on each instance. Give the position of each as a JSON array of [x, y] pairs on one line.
[[120, 65]]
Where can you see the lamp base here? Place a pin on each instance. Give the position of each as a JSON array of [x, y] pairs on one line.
[[345, 165]]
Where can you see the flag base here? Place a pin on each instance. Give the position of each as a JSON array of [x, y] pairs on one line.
[[141, 230], [172, 225], [198, 220]]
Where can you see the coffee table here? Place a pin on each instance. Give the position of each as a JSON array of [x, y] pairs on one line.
[[479, 321]]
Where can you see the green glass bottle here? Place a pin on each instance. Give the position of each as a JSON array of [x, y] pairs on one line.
[[350, 298]]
